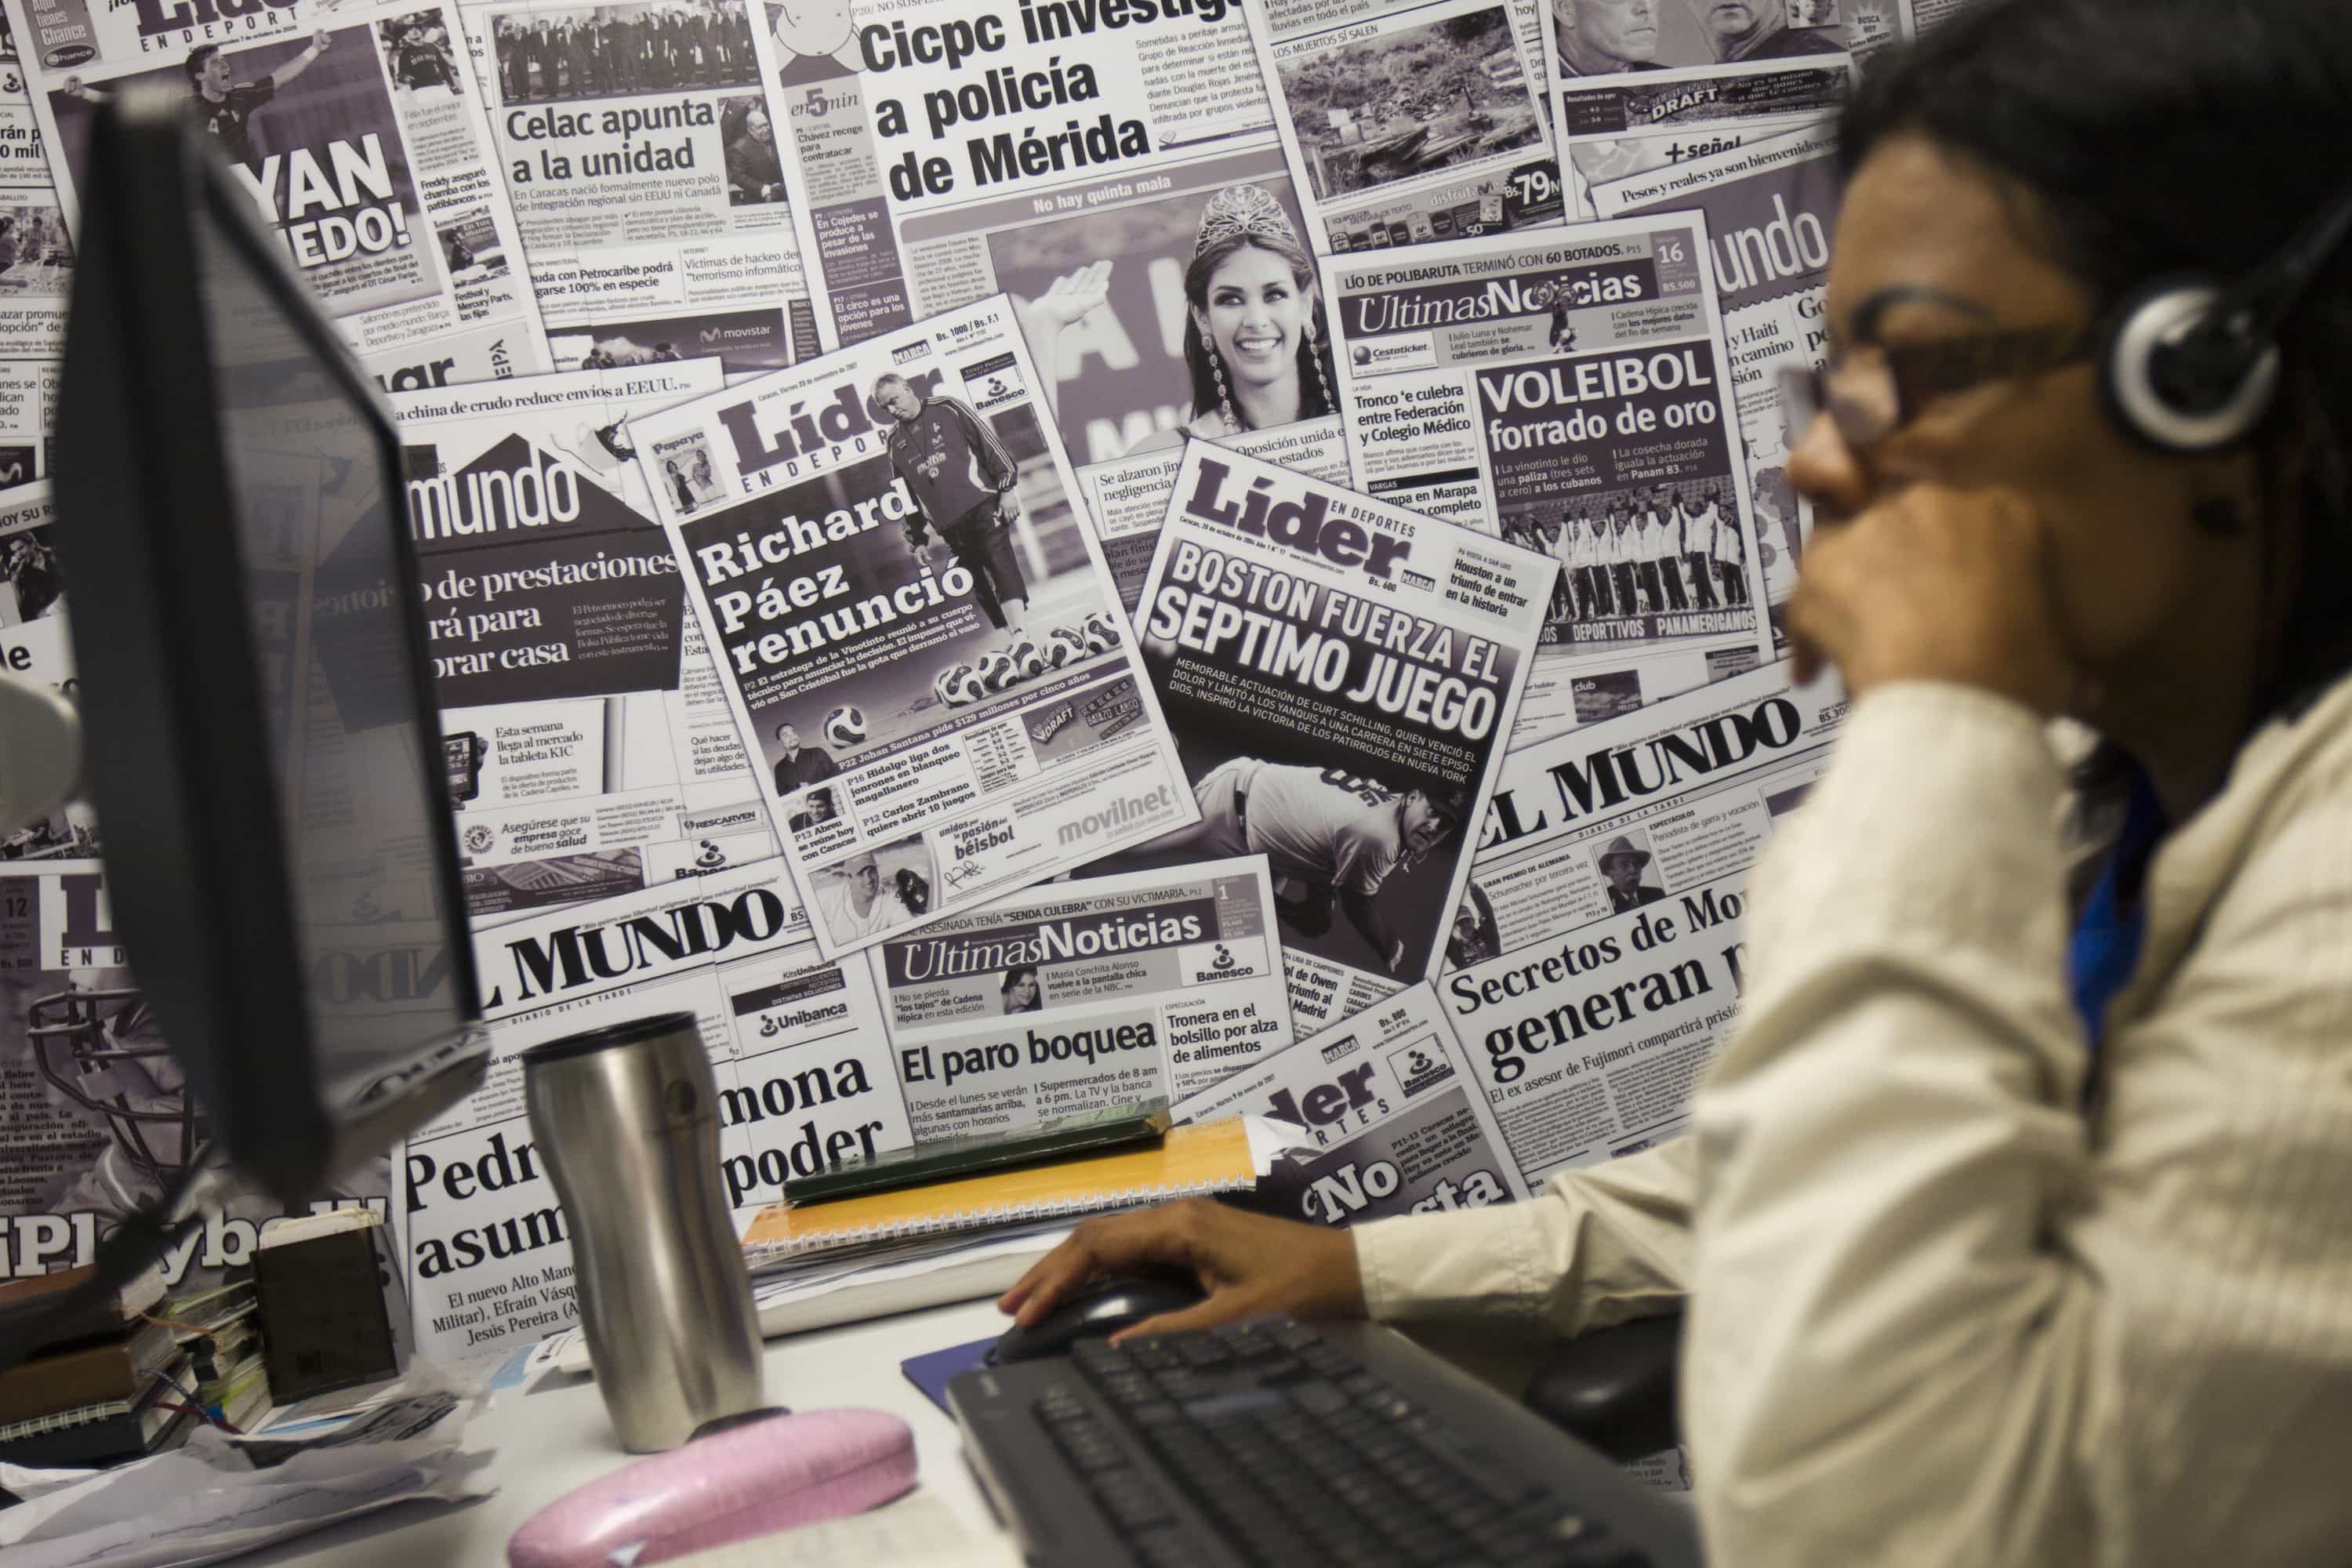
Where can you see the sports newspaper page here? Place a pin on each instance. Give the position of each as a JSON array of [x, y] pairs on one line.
[[380, 176], [640, 150], [1396, 1117], [916, 633], [1411, 122], [1105, 162], [1570, 390], [588, 748], [1695, 80], [99, 1116], [1341, 676], [35, 649], [36, 276], [1078, 996], [1595, 958], [1770, 209]]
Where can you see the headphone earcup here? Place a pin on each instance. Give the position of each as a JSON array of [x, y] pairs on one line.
[[2152, 320]]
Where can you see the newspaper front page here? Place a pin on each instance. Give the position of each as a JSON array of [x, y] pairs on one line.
[[795, 1049], [36, 277], [99, 1117], [1649, 148], [1398, 1123], [640, 150], [1341, 676], [1637, 88], [35, 647], [1111, 166], [1594, 962], [1412, 121], [1572, 391], [376, 168], [916, 631], [1078, 996], [1770, 210], [588, 748]]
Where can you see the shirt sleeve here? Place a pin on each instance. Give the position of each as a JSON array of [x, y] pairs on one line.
[[1599, 1245], [1360, 860], [995, 462]]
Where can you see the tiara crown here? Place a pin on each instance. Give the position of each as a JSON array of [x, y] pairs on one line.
[[1249, 210]]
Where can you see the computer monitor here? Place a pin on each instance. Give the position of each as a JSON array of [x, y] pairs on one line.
[[262, 748]]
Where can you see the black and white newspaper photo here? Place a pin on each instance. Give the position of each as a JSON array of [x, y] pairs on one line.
[[100, 1118], [1570, 391], [589, 746], [1412, 121], [375, 165], [1394, 1121], [1594, 962], [796, 1049], [1076, 997], [1115, 170], [36, 276], [1639, 84], [640, 150], [35, 647], [1341, 678], [915, 630], [1770, 209]]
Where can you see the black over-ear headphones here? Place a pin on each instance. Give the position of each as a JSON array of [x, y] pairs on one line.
[[2190, 367]]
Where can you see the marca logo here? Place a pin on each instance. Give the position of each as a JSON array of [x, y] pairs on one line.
[[1413, 579], [1305, 526], [1342, 1048], [905, 352]]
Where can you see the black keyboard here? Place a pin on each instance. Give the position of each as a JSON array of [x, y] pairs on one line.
[[1282, 1445]]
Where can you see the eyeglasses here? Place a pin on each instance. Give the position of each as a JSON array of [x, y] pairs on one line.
[[1873, 393]]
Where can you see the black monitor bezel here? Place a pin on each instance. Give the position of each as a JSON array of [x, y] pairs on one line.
[[199, 831]]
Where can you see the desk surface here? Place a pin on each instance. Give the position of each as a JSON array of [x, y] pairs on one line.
[[556, 1437]]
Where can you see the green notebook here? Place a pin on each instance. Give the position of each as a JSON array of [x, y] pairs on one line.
[[945, 1159]]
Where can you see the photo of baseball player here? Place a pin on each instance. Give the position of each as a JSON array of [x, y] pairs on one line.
[[417, 52], [1331, 838]]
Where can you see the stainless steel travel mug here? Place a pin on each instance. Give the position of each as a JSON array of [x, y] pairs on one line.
[[626, 1118]]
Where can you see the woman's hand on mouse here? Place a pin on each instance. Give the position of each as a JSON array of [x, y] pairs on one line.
[[1247, 1264], [1935, 584]]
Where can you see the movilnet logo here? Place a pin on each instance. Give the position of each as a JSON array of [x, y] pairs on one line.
[[1118, 814], [480, 838], [1342, 1048], [1416, 1069]]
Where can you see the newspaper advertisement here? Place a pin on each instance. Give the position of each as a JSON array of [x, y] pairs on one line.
[[589, 749], [99, 1117], [372, 163], [640, 152], [1341, 676], [1075, 997], [795, 1049], [1412, 122], [1394, 1113], [1770, 210], [34, 647], [36, 277], [1637, 85], [1595, 959], [1571, 391], [916, 632]]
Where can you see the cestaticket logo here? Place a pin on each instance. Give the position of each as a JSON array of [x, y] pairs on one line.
[[480, 838]]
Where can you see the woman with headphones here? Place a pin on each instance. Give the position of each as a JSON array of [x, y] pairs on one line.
[[2015, 1224]]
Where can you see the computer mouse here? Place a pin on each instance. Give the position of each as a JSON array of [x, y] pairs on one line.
[[1096, 1310], [740, 1481]]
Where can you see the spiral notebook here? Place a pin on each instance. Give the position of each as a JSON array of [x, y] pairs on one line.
[[1222, 1156]]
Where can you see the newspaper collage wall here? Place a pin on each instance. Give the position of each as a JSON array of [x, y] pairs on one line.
[[1018, 559]]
